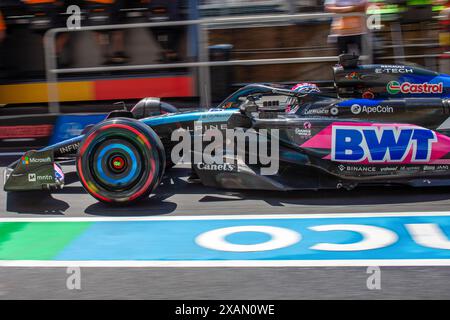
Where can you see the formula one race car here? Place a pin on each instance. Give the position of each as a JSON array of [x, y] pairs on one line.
[[292, 139]]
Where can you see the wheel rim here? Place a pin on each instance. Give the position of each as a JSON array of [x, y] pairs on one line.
[[110, 177], [116, 164]]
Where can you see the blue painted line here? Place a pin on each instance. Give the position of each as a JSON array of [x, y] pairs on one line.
[[175, 240]]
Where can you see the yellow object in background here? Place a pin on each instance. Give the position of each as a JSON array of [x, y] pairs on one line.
[[37, 92], [444, 39]]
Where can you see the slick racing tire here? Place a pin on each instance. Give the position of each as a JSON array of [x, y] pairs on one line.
[[120, 161]]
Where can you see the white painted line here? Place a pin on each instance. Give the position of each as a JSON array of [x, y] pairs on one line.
[[232, 217], [226, 263]]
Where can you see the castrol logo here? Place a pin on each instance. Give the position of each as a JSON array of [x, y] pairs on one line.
[[395, 87]]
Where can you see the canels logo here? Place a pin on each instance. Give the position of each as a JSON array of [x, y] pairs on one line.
[[395, 87]]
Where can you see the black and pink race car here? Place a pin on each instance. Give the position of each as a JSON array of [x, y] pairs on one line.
[[387, 124]]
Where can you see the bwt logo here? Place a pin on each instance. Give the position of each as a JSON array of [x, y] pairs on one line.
[[380, 145]]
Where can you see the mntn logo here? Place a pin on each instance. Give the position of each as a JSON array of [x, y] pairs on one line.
[[381, 144]]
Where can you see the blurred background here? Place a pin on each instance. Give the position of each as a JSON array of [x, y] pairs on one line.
[[191, 53]]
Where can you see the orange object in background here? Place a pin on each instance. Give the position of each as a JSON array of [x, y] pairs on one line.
[[38, 1], [102, 1]]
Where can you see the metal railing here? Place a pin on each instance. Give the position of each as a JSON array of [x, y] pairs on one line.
[[203, 63]]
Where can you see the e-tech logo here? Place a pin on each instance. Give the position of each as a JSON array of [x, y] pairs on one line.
[[381, 144], [395, 87]]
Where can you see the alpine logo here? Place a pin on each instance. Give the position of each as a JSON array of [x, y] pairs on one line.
[[394, 87], [381, 144]]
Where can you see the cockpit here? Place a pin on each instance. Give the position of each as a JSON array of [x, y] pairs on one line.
[[275, 98]]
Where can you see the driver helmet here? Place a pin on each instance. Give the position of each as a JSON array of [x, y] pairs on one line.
[[303, 88]]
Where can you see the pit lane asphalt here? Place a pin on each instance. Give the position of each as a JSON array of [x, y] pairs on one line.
[[176, 197]]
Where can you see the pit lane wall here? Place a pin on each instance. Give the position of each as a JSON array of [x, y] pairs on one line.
[[305, 39], [100, 89]]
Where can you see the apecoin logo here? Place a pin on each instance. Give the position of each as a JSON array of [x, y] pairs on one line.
[[355, 109]]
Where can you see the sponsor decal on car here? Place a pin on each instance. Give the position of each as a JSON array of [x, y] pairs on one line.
[[304, 132], [435, 167], [69, 148], [318, 111], [352, 76], [394, 87], [345, 168], [394, 69], [389, 169], [410, 168], [33, 177], [216, 116], [357, 109], [380, 145], [59, 174], [26, 160], [216, 167], [342, 167]]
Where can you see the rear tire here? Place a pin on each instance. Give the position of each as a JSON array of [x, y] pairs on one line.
[[121, 161]]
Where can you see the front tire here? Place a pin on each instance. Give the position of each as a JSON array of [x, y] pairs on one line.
[[121, 161]]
